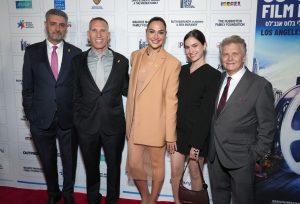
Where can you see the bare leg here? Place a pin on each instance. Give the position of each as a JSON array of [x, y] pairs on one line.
[[195, 174], [143, 189], [177, 165], [156, 187]]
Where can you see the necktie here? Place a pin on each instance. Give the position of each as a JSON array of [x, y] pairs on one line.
[[222, 101], [100, 74], [54, 62]]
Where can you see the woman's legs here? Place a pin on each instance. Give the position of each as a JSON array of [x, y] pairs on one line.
[[177, 165], [195, 173]]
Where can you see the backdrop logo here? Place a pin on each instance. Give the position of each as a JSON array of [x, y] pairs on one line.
[[142, 44], [97, 1], [180, 44], [24, 44], [23, 24], [186, 4], [27, 4], [230, 3], [97, 6], [59, 4]]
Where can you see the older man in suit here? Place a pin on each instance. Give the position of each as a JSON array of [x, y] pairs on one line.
[[101, 78], [47, 101], [243, 127]]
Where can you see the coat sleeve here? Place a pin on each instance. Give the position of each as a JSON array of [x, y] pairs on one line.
[[266, 119], [171, 102], [27, 85]]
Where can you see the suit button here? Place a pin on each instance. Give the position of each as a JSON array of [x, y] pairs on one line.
[[101, 94]]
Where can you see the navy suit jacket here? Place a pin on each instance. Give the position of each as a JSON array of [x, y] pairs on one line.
[[100, 110], [43, 96]]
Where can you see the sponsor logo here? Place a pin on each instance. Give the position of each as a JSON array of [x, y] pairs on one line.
[[180, 44], [186, 4], [32, 169], [142, 44], [27, 4], [230, 3], [23, 24], [2, 150], [97, 1], [24, 44], [59, 4], [30, 153], [97, 6]]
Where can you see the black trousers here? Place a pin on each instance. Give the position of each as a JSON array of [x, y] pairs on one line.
[[45, 143], [90, 146]]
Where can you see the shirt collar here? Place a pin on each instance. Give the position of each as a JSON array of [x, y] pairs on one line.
[[50, 45], [238, 75], [94, 53]]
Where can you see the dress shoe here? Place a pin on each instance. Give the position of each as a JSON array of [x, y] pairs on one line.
[[69, 199], [53, 199]]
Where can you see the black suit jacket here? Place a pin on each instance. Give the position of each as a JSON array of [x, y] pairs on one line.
[[96, 110], [43, 96]]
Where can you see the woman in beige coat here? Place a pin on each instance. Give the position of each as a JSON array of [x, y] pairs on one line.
[[151, 111]]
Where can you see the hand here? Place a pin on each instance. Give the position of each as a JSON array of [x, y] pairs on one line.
[[171, 147], [194, 153]]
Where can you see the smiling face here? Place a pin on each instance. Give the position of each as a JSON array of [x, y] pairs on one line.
[[99, 35], [156, 34], [56, 28], [194, 49], [232, 57]]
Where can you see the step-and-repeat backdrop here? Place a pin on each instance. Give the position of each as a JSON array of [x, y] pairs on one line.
[[271, 29]]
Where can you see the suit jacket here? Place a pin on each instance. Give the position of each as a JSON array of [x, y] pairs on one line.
[[154, 107], [245, 128], [96, 110], [43, 96]]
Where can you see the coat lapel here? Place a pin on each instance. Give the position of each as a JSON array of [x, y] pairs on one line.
[[116, 62], [45, 59], [156, 66], [240, 90], [65, 59]]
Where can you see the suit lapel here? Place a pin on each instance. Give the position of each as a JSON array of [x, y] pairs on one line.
[[87, 70], [65, 59], [219, 93], [240, 89], [156, 66], [112, 73], [45, 58]]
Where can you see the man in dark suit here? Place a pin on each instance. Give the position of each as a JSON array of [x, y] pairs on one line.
[[243, 127], [47, 101], [101, 78]]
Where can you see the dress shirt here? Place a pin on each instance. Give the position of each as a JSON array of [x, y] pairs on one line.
[[235, 78], [59, 51], [107, 61]]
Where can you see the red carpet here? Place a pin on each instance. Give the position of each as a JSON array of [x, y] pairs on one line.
[[10, 195]]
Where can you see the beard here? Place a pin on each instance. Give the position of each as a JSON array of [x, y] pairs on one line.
[[55, 36]]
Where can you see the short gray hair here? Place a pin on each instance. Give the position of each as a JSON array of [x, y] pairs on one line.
[[56, 12], [233, 39]]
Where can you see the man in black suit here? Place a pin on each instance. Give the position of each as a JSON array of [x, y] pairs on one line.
[[101, 78], [47, 101], [243, 127]]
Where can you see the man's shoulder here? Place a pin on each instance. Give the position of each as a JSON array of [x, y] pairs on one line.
[[36, 46], [119, 56], [72, 48]]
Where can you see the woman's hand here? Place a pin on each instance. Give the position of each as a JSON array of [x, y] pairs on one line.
[[194, 153], [171, 147]]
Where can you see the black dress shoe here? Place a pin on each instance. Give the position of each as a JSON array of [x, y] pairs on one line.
[[53, 199], [69, 199]]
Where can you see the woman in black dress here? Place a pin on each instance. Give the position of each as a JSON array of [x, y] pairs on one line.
[[198, 87]]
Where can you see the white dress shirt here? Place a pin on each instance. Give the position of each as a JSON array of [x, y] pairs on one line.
[[59, 51], [235, 79]]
